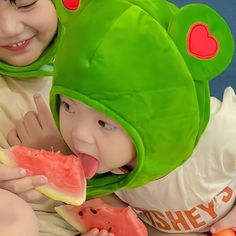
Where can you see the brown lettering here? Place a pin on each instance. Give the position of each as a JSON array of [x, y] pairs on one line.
[[156, 218], [193, 218], [179, 219], [228, 194], [210, 209]]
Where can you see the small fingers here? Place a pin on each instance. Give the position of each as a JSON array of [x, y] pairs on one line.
[[33, 196], [104, 232], [32, 123], [44, 114], [10, 173], [92, 232], [21, 185], [12, 138], [97, 232], [22, 133]]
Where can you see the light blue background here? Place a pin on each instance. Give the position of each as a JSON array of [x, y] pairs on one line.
[[227, 9]]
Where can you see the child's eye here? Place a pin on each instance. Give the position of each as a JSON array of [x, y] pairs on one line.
[[67, 107], [26, 5], [106, 125]]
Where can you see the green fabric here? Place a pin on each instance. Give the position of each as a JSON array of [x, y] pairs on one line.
[[41, 67], [129, 60]]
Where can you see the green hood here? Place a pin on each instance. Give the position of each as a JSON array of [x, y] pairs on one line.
[[42, 67], [146, 64]]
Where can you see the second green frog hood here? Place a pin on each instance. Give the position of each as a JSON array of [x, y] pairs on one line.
[[146, 64]]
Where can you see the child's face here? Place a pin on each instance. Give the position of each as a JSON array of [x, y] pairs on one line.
[[89, 132], [26, 29]]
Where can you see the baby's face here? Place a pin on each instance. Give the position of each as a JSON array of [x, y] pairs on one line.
[[92, 134], [26, 29]]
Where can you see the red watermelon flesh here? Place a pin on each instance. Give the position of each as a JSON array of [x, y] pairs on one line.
[[66, 180], [97, 214]]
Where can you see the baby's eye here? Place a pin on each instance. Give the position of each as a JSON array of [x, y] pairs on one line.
[[67, 107], [106, 125]]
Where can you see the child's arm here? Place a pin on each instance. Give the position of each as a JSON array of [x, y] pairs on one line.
[[16, 216], [226, 222], [38, 130]]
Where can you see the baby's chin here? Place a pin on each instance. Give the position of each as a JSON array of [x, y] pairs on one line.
[[105, 170], [102, 170]]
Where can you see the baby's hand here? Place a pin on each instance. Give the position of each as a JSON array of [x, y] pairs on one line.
[[38, 130], [15, 180], [226, 222], [97, 232]]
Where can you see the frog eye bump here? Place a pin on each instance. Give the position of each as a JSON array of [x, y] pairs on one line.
[[71, 4], [201, 43]]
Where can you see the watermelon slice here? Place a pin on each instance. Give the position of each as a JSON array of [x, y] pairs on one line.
[[66, 180], [97, 214]]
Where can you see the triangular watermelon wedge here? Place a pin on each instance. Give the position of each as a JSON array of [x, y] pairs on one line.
[[66, 180], [97, 214]]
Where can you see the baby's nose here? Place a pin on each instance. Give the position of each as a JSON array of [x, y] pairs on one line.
[[83, 133]]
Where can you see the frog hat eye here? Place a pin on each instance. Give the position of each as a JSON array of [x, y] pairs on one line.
[[71, 4]]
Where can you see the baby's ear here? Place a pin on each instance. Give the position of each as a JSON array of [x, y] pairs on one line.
[[66, 9], [204, 39]]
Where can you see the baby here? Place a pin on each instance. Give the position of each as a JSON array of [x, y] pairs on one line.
[[133, 100]]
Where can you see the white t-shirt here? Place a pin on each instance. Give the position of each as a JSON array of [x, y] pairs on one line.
[[202, 190]]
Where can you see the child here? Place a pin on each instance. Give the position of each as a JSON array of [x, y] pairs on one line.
[[28, 41], [133, 100]]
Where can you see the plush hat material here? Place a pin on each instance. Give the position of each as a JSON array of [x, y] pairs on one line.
[[146, 64]]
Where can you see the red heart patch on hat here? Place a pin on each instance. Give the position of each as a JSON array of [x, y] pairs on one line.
[[71, 4], [201, 43]]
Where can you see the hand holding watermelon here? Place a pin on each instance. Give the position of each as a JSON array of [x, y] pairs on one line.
[[96, 218], [14, 179], [65, 176], [97, 232]]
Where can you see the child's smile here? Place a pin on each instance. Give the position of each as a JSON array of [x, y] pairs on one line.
[[26, 29], [19, 46]]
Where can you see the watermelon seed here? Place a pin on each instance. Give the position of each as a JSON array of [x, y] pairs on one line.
[[81, 213], [93, 211]]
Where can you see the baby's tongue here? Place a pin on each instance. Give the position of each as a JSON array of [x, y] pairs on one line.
[[90, 165]]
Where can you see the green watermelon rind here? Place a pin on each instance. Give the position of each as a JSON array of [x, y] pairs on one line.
[[71, 215], [58, 195], [61, 211], [47, 189], [4, 158]]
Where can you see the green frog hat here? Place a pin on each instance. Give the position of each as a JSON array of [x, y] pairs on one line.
[[146, 64]]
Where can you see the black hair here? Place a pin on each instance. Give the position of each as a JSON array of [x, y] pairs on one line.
[[12, 2]]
